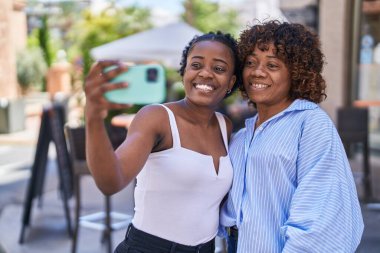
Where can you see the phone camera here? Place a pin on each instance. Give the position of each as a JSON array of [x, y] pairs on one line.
[[152, 75]]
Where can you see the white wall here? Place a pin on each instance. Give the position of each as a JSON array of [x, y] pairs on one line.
[[333, 33]]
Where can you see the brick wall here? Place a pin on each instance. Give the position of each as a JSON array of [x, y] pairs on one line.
[[12, 38]]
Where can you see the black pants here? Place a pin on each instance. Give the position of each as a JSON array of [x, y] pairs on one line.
[[137, 241], [232, 239]]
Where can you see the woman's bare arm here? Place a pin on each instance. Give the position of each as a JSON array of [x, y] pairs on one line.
[[110, 173]]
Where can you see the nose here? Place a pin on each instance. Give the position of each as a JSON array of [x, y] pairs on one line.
[[205, 73], [259, 71], [256, 70]]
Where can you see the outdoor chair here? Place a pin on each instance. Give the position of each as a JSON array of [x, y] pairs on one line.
[[353, 129], [104, 220]]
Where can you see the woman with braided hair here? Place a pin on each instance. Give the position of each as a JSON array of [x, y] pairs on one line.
[[178, 151]]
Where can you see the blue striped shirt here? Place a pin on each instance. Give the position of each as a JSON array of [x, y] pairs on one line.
[[293, 189]]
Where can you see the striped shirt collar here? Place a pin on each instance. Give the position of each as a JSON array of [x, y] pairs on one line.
[[296, 105]]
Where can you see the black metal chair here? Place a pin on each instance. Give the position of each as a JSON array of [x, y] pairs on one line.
[[353, 129], [101, 220]]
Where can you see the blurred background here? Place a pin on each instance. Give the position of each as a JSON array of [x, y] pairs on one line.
[[48, 46]]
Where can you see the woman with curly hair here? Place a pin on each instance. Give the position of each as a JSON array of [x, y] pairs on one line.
[[293, 189]]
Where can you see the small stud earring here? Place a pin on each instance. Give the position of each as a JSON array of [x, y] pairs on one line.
[[228, 91]]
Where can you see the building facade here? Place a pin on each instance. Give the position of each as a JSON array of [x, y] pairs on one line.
[[12, 39]]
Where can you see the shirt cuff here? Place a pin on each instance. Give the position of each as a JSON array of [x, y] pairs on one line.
[[222, 232]]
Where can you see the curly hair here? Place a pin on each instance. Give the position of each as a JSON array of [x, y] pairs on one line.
[[297, 47], [224, 38]]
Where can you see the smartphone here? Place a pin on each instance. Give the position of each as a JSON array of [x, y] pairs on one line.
[[146, 85]]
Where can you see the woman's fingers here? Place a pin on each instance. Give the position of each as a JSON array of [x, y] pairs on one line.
[[107, 63], [104, 71], [111, 72], [96, 93], [95, 72], [112, 86], [98, 82]]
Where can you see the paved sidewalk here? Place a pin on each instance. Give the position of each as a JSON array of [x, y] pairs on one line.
[[48, 229]]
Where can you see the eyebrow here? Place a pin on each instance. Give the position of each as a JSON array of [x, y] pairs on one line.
[[269, 56], [215, 59]]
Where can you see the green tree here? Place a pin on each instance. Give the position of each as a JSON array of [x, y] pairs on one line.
[[44, 40], [44, 43], [108, 25], [69, 14], [207, 16]]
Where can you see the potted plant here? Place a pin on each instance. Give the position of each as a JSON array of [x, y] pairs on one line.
[[31, 70]]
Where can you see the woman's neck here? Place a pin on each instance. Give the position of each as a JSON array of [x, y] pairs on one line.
[[201, 115], [266, 112]]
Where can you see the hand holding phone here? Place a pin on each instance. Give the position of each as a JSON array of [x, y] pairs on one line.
[[146, 85]]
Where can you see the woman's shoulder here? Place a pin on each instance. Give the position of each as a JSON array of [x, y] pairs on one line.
[[152, 110], [153, 114], [307, 110], [317, 120], [319, 114]]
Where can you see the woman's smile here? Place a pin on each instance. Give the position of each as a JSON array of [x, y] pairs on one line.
[[259, 86], [204, 87]]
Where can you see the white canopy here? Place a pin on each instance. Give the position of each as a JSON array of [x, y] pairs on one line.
[[164, 44]]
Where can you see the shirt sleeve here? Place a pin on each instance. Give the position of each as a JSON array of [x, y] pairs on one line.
[[325, 214], [227, 217]]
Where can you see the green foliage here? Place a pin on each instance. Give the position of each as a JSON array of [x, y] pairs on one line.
[[172, 75], [207, 16], [32, 40], [175, 89], [231, 99], [44, 41], [31, 68], [95, 29], [108, 25]]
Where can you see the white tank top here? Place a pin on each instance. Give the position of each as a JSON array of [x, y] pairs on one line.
[[178, 191]]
